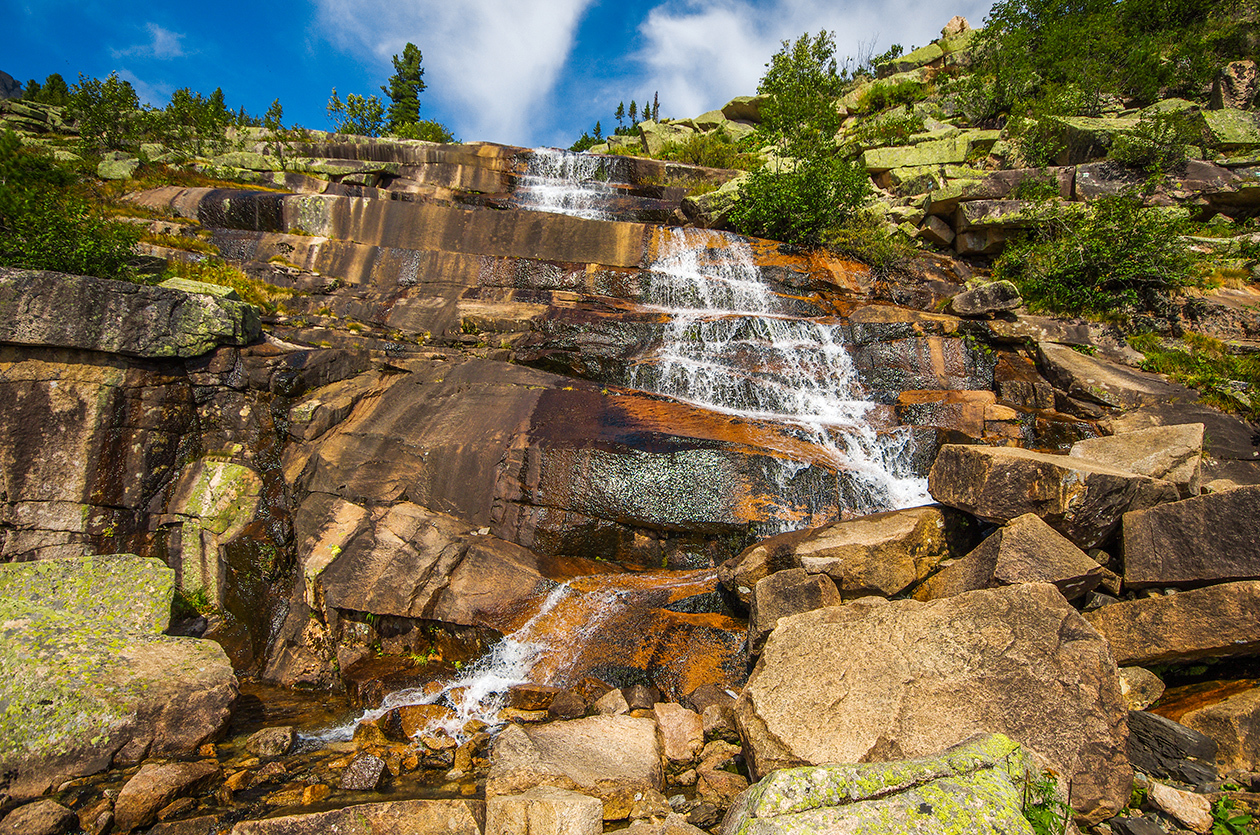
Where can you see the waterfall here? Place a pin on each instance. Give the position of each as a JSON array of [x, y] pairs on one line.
[[730, 347], [566, 183]]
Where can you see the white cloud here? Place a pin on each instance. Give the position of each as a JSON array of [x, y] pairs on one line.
[[701, 53], [163, 44], [491, 62]]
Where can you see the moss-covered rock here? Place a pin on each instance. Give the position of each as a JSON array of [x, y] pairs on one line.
[[74, 311], [86, 677], [975, 787], [1233, 130]]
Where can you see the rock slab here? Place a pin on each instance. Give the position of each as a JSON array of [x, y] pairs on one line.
[[1206, 539], [1172, 453], [403, 817], [614, 758], [89, 679], [880, 680], [544, 811], [974, 787], [1212, 622], [1081, 500], [75, 311]]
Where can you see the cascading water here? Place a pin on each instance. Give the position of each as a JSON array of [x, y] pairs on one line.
[[565, 183], [729, 347]]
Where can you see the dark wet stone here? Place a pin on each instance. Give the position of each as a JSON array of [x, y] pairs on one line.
[[364, 774]]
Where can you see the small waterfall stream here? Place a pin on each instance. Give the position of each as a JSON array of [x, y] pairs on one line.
[[728, 346]]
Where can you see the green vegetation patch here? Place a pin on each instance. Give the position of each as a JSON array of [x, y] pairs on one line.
[[1228, 381]]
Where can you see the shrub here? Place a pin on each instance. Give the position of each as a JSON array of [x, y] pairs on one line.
[[357, 115], [1102, 259], [798, 203], [893, 129], [425, 129], [1158, 144], [864, 235], [708, 150], [883, 96], [46, 225], [262, 295]]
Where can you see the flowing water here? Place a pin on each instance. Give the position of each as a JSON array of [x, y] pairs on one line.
[[566, 183], [728, 346]]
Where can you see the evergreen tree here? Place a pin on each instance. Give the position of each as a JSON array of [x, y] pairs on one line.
[[599, 131], [31, 91], [656, 106], [634, 112], [404, 88], [55, 91], [621, 113]]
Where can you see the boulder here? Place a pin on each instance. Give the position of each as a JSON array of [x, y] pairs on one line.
[[1233, 130], [786, 593], [656, 135], [609, 757], [883, 554], [1140, 687], [401, 817], [117, 169], [1234, 725], [74, 311], [365, 773], [612, 703], [1187, 808], [271, 743], [87, 676], [1026, 550], [671, 824], [1163, 748], [993, 297], [544, 811], [876, 680], [1170, 453], [745, 108], [936, 231], [1207, 539], [977, 787], [1235, 86], [681, 731], [154, 786], [1101, 381], [43, 817], [1212, 622], [1086, 137], [1081, 500], [951, 151]]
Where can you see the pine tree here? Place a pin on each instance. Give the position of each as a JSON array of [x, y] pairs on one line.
[[599, 131], [621, 113], [404, 88], [55, 91], [31, 91], [656, 106], [634, 112]]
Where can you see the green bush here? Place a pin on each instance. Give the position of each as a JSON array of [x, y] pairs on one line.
[[108, 112], [882, 96], [46, 225], [892, 129], [867, 237], [708, 150], [1158, 144], [425, 129], [800, 202], [1103, 259]]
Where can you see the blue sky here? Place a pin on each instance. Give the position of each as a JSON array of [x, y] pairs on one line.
[[524, 72]]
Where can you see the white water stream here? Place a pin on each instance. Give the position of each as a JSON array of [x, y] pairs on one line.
[[728, 347]]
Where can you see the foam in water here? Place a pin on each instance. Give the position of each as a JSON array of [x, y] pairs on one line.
[[565, 183], [730, 347]]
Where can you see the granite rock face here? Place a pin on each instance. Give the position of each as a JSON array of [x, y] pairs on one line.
[[88, 677], [1206, 539], [880, 680], [72, 311]]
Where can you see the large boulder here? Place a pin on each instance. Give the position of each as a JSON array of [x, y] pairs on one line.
[[87, 676], [994, 297], [1099, 380], [1207, 539], [977, 787], [1234, 725], [882, 554], [881, 680], [786, 593], [1212, 622], [401, 817], [154, 786], [1025, 551], [609, 757], [544, 811], [75, 311], [1082, 500], [1170, 453]]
